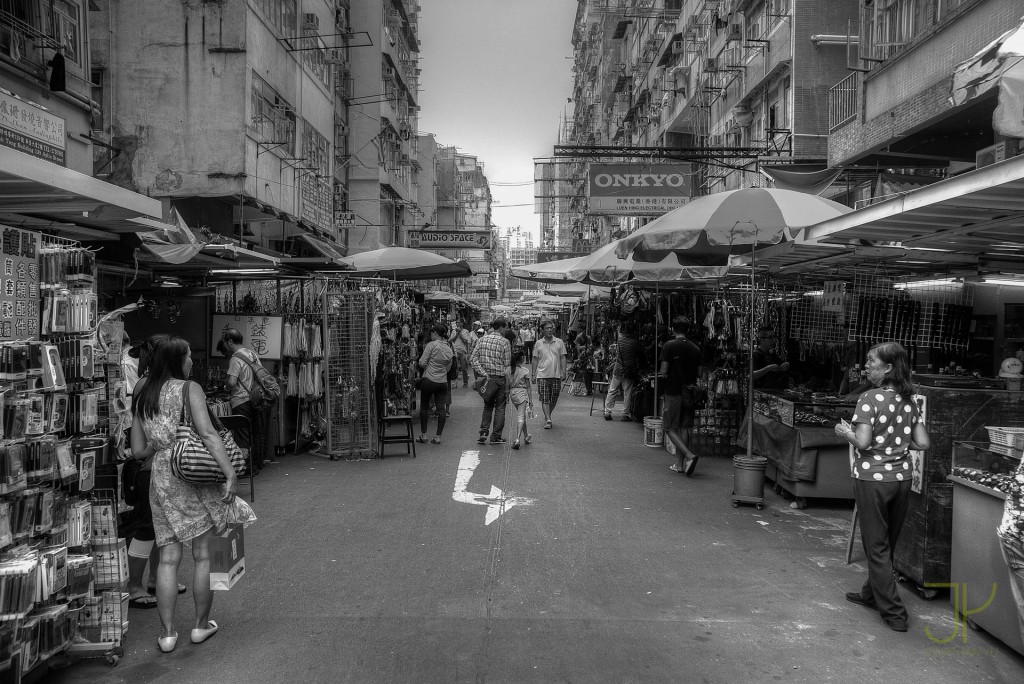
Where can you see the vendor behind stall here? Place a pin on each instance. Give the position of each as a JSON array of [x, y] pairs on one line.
[[770, 371]]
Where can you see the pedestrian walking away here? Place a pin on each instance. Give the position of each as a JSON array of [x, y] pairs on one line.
[[886, 425], [521, 394], [680, 368], [460, 339], [491, 360], [436, 361], [548, 368]]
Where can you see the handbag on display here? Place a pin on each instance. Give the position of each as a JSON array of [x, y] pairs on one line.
[[191, 461]]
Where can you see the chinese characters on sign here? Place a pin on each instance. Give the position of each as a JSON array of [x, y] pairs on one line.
[[29, 128], [262, 334], [834, 296], [19, 284], [317, 202]]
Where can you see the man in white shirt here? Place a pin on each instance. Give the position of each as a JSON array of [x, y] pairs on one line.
[[528, 335], [548, 369]]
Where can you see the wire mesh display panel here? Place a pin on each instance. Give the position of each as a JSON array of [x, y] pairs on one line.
[[935, 314], [348, 319], [810, 322]]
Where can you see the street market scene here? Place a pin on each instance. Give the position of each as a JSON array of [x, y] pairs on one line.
[[535, 341]]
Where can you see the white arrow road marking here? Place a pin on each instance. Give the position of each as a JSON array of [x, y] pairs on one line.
[[497, 501]]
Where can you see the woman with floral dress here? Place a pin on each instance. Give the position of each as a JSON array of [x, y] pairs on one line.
[[182, 512]]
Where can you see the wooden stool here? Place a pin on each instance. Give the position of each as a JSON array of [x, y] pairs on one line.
[[383, 438], [597, 386]]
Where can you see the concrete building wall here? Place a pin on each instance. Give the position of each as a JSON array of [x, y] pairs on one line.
[[177, 96]]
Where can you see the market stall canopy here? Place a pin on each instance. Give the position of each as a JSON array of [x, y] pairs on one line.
[[402, 263], [605, 267], [973, 222], [546, 272], [442, 298], [35, 193], [501, 308], [704, 233], [586, 292], [1000, 64], [325, 256]]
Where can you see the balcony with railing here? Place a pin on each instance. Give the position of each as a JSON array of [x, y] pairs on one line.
[[842, 101]]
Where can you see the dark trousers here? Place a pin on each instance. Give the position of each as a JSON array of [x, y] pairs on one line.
[[882, 508], [439, 392], [256, 441], [493, 417]]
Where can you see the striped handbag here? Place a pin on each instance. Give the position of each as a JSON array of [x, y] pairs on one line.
[[191, 461]]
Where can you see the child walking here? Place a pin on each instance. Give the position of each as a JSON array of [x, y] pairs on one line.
[[521, 394]]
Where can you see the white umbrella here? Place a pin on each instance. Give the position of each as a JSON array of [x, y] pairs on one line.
[[402, 263]]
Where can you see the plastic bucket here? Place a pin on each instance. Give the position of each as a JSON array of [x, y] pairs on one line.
[[748, 475], [654, 435]]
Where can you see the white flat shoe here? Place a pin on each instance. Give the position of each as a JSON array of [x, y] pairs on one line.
[[201, 635], [167, 644]]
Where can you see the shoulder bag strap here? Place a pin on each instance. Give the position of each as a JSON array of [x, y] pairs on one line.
[[186, 405], [252, 369]]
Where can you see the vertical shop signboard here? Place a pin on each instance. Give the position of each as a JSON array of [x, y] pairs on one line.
[[260, 333], [19, 284]]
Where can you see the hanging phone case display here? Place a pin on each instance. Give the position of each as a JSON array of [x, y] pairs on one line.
[[52, 442]]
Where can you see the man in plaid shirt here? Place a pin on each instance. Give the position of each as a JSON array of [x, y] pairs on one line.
[[492, 359]]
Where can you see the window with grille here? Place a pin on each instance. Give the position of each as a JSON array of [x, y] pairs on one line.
[[316, 150], [281, 14], [273, 119], [65, 27]]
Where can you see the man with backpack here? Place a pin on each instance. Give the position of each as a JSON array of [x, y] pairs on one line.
[[254, 391]]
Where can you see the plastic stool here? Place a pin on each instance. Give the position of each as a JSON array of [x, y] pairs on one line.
[[383, 438]]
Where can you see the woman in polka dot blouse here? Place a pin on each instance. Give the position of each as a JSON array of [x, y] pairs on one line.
[[887, 423]]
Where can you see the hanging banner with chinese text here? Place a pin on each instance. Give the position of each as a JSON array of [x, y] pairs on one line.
[[19, 284], [262, 334], [29, 128]]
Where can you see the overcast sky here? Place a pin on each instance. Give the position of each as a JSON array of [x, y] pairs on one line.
[[496, 77]]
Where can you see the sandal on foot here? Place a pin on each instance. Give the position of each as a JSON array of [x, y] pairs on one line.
[[167, 644], [201, 635], [676, 469], [435, 440], [421, 439], [515, 444], [547, 425], [527, 439], [142, 601]]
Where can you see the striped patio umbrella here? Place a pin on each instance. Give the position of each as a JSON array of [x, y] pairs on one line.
[[604, 267], [705, 232]]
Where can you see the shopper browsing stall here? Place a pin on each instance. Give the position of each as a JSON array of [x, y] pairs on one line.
[[625, 373], [436, 360], [680, 368], [241, 377], [548, 370], [491, 360], [770, 371], [886, 425]]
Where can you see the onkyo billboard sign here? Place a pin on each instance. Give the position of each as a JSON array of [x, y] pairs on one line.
[[638, 189]]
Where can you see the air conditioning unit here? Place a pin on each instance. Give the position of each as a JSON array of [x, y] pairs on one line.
[[310, 22], [643, 120], [678, 47], [711, 64], [735, 32], [987, 156], [389, 72]]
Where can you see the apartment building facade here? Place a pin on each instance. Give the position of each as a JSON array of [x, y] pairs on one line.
[[734, 87], [894, 109], [233, 112], [50, 123]]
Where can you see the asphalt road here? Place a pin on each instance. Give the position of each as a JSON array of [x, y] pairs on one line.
[[609, 567]]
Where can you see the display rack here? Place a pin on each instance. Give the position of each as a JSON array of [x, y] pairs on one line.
[[348, 358]]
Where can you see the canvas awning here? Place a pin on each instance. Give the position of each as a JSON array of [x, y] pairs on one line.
[[977, 218], [35, 192], [1000, 64]]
